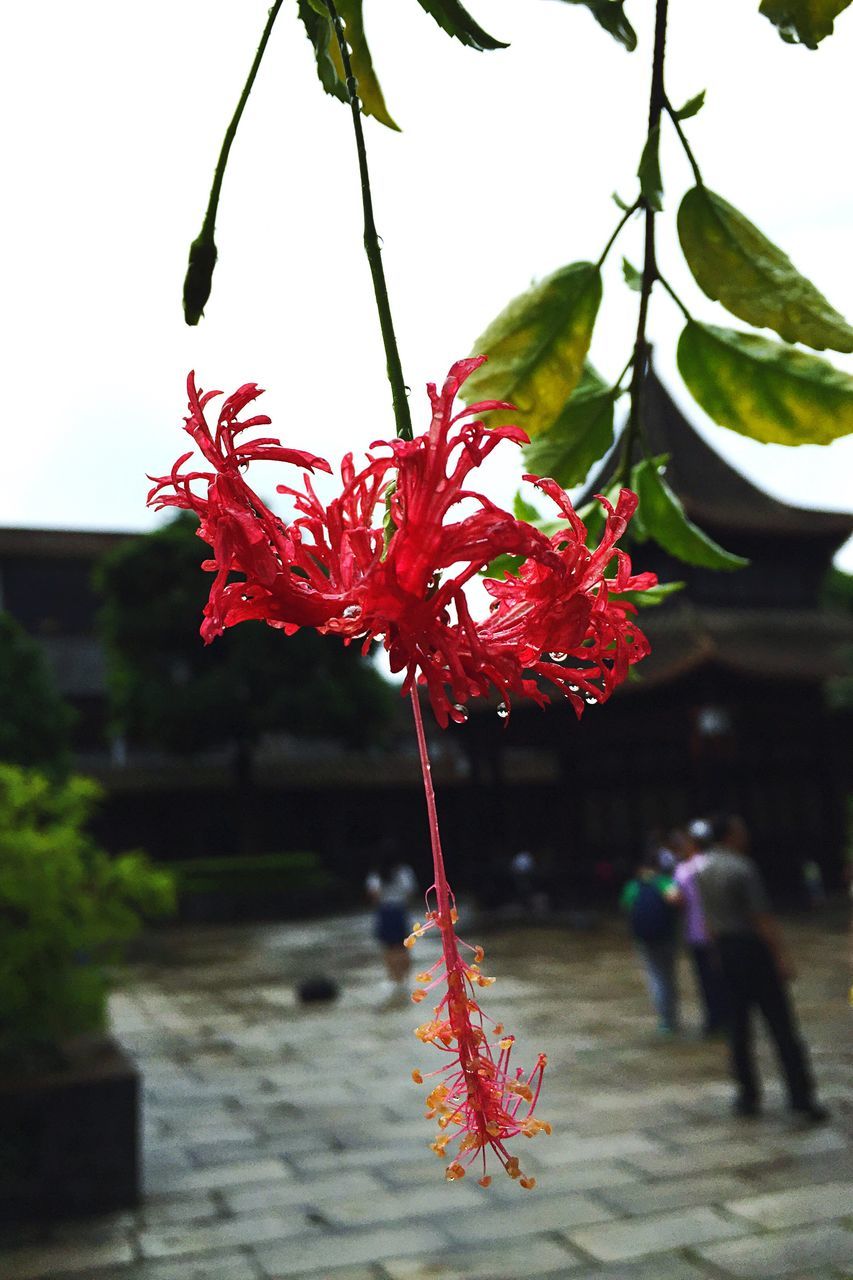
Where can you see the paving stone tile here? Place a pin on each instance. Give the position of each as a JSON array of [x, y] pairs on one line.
[[219, 1266], [660, 1266], [531, 1213], [700, 1159], [531, 1259], [437, 1200], [572, 1177], [305, 1192], [200, 1237], [612, 1146], [348, 1248], [45, 1262], [799, 1206], [616, 1241], [639, 1197], [780, 1253], [224, 1175], [188, 1208]]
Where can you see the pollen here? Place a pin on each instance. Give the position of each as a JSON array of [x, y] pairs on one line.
[[454, 1171], [418, 996], [507, 1042], [417, 1077], [527, 1183], [423, 977], [485, 1181]]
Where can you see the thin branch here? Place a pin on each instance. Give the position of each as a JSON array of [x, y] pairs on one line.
[[666, 285], [402, 417], [683, 140], [203, 248], [626, 215]]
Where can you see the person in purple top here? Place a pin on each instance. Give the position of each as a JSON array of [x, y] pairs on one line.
[[687, 846]]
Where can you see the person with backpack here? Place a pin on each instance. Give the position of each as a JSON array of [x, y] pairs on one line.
[[651, 902]]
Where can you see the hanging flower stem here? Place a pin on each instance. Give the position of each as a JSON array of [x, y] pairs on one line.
[[402, 417], [481, 1101]]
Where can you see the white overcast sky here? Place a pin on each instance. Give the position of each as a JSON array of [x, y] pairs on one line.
[[113, 116]]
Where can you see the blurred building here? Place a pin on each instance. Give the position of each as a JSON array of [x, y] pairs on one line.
[[729, 710]]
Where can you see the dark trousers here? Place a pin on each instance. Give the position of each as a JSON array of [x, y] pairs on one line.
[[709, 979], [751, 980]]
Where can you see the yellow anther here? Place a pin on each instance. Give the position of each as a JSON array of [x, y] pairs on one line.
[[484, 982], [418, 996], [417, 1077], [507, 1042], [486, 1181], [527, 1183], [478, 955], [454, 1171], [410, 941], [454, 915], [499, 1028], [423, 977]]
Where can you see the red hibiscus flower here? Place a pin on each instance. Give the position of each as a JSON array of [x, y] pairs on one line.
[[389, 560]]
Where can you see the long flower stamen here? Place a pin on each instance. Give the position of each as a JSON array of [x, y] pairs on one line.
[[480, 1100]]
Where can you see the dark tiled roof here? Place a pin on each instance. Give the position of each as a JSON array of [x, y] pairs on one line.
[[807, 644], [713, 493]]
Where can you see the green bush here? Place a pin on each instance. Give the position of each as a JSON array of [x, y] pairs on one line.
[[256, 873], [66, 911]]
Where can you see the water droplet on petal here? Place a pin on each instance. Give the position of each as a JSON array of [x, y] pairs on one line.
[[461, 713], [558, 657], [574, 688], [503, 710], [352, 611], [590, 700]]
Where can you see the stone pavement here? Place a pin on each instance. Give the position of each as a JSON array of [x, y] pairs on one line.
[[289, 1143]]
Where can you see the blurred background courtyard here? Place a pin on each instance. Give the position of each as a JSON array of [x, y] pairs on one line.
[[287, 1140]]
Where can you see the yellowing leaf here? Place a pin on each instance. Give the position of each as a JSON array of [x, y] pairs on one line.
[[734, 263], [803, 21], [581, 435], [328, 57], [536, 348], [763, 389], [665, 520]]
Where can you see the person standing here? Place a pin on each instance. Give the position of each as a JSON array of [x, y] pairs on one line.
[[391, 887], [754, 968], [651, 901], [706, 962]]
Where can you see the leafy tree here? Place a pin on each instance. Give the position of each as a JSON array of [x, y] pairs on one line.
[[35, 720], [169, 690], [66, 909], [767, 388]]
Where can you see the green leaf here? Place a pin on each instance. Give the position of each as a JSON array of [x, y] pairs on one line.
[[651, 183], [504, 566], [537, 346], [666, 522], [735, 264], [620, 203], [523, 510], [633, 277], [652, 596], [456, 21], [328, 57], [803, 21], [581, 435], [610, 14], [763, 389], [692, 107]]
